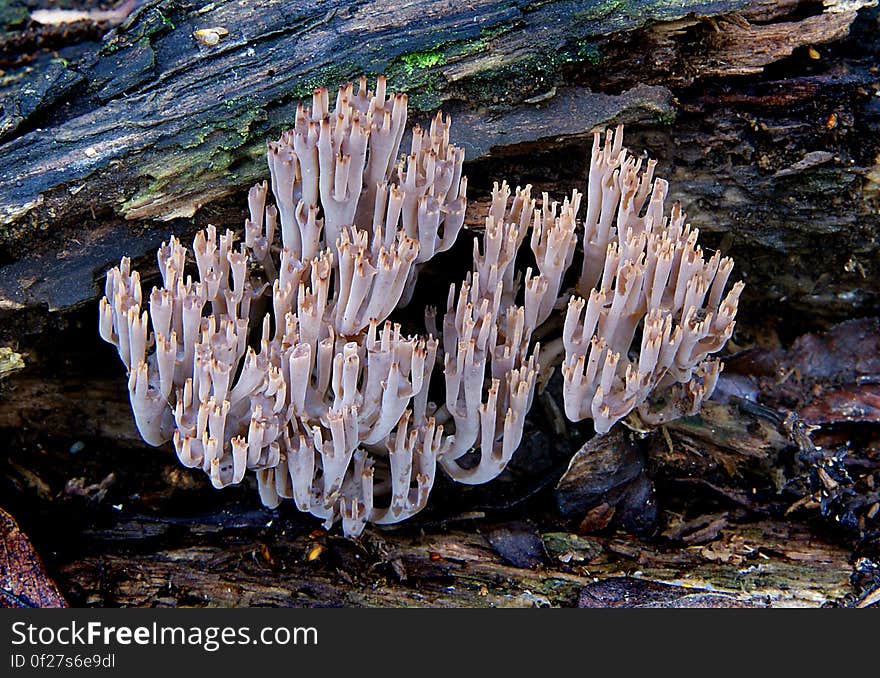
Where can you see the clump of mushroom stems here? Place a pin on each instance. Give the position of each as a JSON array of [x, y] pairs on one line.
[[277, 353]]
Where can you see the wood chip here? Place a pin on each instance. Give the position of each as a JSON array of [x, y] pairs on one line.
[[210, 36]]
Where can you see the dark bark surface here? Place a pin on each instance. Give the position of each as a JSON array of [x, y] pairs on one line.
[[765, 118], [104, 146]]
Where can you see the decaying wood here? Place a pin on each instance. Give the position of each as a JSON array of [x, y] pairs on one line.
[[765, 117], [764, 563], [150, 125]]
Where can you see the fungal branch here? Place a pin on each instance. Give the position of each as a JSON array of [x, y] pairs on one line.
[[655, 308], [331, 408], [278, 354]]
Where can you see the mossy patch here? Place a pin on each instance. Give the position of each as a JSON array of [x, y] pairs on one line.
[[427, 59], [12, 16]]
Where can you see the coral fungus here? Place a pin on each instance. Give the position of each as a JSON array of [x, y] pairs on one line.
[[280, 358]]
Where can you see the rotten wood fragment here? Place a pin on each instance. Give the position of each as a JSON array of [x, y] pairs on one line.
[[630, 592], [763, 563]]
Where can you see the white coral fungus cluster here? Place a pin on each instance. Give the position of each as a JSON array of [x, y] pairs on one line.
[[654, 309], [278, 356]]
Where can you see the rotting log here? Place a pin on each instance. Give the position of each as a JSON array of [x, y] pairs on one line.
[[765, 119], [763, 564], [111, 145]]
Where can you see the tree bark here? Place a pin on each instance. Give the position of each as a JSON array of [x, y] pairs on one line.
[[765, 117]]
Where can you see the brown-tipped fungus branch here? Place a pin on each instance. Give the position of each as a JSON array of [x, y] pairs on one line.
[[645, 272]]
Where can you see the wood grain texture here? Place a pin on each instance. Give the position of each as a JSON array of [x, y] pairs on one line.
[[760, 564], [106, 150]]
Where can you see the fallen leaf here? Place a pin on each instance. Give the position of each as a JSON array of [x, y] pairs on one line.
[[23, 579], [855, 403], [606, 483], [519, 544]]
